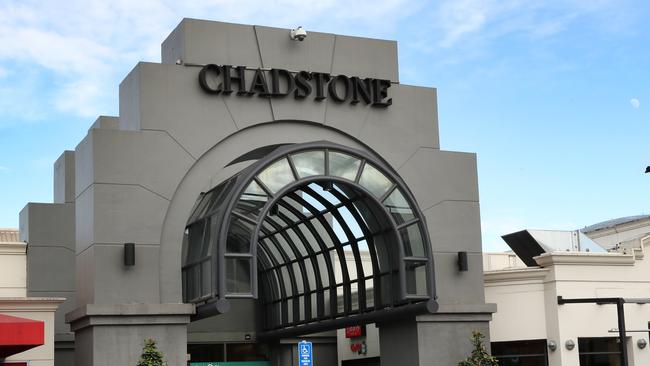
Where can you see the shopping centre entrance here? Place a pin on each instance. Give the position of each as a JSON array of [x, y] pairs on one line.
[[290, 231], [255, 191]]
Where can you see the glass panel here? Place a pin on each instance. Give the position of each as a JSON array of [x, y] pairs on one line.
[[412, 240], [519, 348], [340, 299], [219, 194], [598, 344], [210, 227], [206, 277], [286, 279], [354, 296], [290, 311], [239, 235], [275, 282], [297, 242], [326, 298], [313, 243], [301, 308], [398, 207], [343, 165], [416, 278], [251, 201], [314, 306], [328, 196], [323, 270], [184, 283], [195, 241], [370, 296], [193, 283], [322, 232], [298, 273], [238, 275], [274, 251], [311, 276], [311, 200], [309, 163], [185, 247], [199, 207], [285, 247], [374, 180], [277, 175], [607, 359], [287, 214], [354, 226]]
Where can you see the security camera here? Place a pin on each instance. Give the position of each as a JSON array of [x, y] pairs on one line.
[[298, 34]]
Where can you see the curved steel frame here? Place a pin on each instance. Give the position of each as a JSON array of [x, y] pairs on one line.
[[249, 174]]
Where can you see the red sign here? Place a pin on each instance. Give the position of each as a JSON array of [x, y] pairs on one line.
[[355, 331]]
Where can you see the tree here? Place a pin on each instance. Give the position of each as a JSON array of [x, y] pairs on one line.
[[479, 356], [150, 355]]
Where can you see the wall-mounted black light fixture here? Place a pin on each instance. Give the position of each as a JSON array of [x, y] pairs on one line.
[[129, 254], [463, 266]]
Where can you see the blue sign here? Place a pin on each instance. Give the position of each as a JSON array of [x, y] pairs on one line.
[[304, 354]]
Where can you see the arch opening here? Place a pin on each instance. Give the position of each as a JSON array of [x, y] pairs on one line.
[[315, 232]]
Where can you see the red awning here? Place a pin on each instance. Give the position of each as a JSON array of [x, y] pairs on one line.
[[19, 334]]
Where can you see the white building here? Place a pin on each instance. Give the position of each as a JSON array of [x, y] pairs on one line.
[[531, 328], [26, 323]]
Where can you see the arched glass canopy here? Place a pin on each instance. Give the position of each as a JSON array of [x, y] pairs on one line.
[[314, 231]]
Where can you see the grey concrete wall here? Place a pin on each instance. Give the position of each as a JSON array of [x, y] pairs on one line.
[[64, 175], [201, 41], [48, 230]]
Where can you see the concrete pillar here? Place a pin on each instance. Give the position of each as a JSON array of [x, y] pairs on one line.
[[442, 338], [107, 335]]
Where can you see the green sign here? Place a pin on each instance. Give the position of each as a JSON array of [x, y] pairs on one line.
[[243, 363]]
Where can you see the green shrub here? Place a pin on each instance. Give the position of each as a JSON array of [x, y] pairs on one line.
[[150, 355], [479, 356]]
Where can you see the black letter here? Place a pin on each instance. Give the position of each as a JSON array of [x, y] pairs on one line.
[[203, 79], [361, 88], [259, 84], [275, 82], [320, 78], [379, 92], [332, 88], [303, 87], [240, 77]]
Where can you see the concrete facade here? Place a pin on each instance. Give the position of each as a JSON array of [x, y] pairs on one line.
[[527, 297], [135, 178]]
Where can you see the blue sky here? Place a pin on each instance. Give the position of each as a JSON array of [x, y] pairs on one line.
[[553, 96]]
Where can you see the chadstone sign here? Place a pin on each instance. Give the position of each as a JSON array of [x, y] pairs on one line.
[[224, 79]]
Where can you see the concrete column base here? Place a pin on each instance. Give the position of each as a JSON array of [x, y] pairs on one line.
[[442, 338], [108, 335]]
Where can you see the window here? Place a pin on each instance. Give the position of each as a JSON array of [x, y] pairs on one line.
[[521, 353], [604, 351]]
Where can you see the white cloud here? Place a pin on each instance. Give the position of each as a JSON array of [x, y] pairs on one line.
[[3, 72], [459, 22], [89, 45], [635, 103]]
